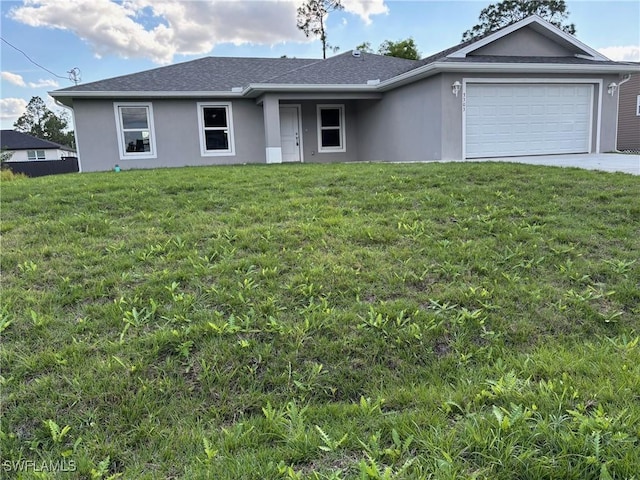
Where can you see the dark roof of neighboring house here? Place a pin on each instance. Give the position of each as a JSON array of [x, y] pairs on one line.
[[12, 140]]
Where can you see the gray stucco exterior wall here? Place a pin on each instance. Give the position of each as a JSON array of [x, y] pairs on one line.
[[609, 114], [421, 121], [176, 134], [95, 131], [451, 118], [404, 126], [310, 153], [524, 42]]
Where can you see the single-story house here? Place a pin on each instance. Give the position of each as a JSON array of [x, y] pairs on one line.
[[629, 114], [527, 89], [27, 148]]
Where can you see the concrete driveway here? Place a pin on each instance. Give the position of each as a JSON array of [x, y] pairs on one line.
[[607, 162]]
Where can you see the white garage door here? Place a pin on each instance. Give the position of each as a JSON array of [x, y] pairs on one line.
[[504, 120]]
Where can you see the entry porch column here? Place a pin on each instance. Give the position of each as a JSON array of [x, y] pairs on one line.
[[273, 142]]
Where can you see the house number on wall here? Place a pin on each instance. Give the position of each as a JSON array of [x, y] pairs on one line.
[[464, 101]]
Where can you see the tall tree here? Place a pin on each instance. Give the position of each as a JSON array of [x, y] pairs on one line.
[[402, 49], [506, 12], [38, 120], [365, 47], [312, 16], [32, 120]]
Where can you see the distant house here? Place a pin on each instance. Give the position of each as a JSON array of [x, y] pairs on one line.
[[35, 157], [27, 148], [629, 115], [527, 89]]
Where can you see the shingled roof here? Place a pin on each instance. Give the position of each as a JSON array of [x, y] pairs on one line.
[[12, 140], [217, 74], [346, 69], [208, 74]]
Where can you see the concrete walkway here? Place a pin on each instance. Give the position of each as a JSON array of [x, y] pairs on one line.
[[607, 162]]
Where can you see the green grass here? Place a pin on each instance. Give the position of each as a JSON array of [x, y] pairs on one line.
[[6, 175], [445, 321]]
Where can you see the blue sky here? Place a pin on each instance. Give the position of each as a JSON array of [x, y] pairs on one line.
[[106, 38]]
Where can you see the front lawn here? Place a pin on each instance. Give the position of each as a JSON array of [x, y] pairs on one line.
[[370, 321]]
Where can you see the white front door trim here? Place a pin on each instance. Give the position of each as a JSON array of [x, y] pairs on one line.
[[591, 81], [298, 108]]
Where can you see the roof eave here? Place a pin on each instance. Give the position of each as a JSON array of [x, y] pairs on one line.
[[60, 94], [465, 67], [251, 91], [256, 89], [37, 147]]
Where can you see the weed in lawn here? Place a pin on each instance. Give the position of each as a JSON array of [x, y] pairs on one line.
[[28, 266], [57, 433], [329, 444]]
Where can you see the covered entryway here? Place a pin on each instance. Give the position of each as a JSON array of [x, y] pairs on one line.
[[290, 133], [527, 119]]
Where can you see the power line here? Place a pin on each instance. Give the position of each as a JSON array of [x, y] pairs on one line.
[[33, 61]]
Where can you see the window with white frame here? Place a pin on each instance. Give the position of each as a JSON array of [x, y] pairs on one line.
[[216, 129], [331, 130], [36, 155], [638, 106], [136, 136]]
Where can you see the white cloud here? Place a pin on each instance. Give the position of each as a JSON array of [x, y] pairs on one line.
[[44, 83], [160, 29], [17, 79], [13, 78], [12, 108], [107, 26], [627, 53], [366, 8]]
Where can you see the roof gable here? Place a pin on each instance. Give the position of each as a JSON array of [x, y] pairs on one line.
[[526, 42], [534, 23]]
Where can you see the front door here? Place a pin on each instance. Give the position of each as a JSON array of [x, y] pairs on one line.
[[290, 133]]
